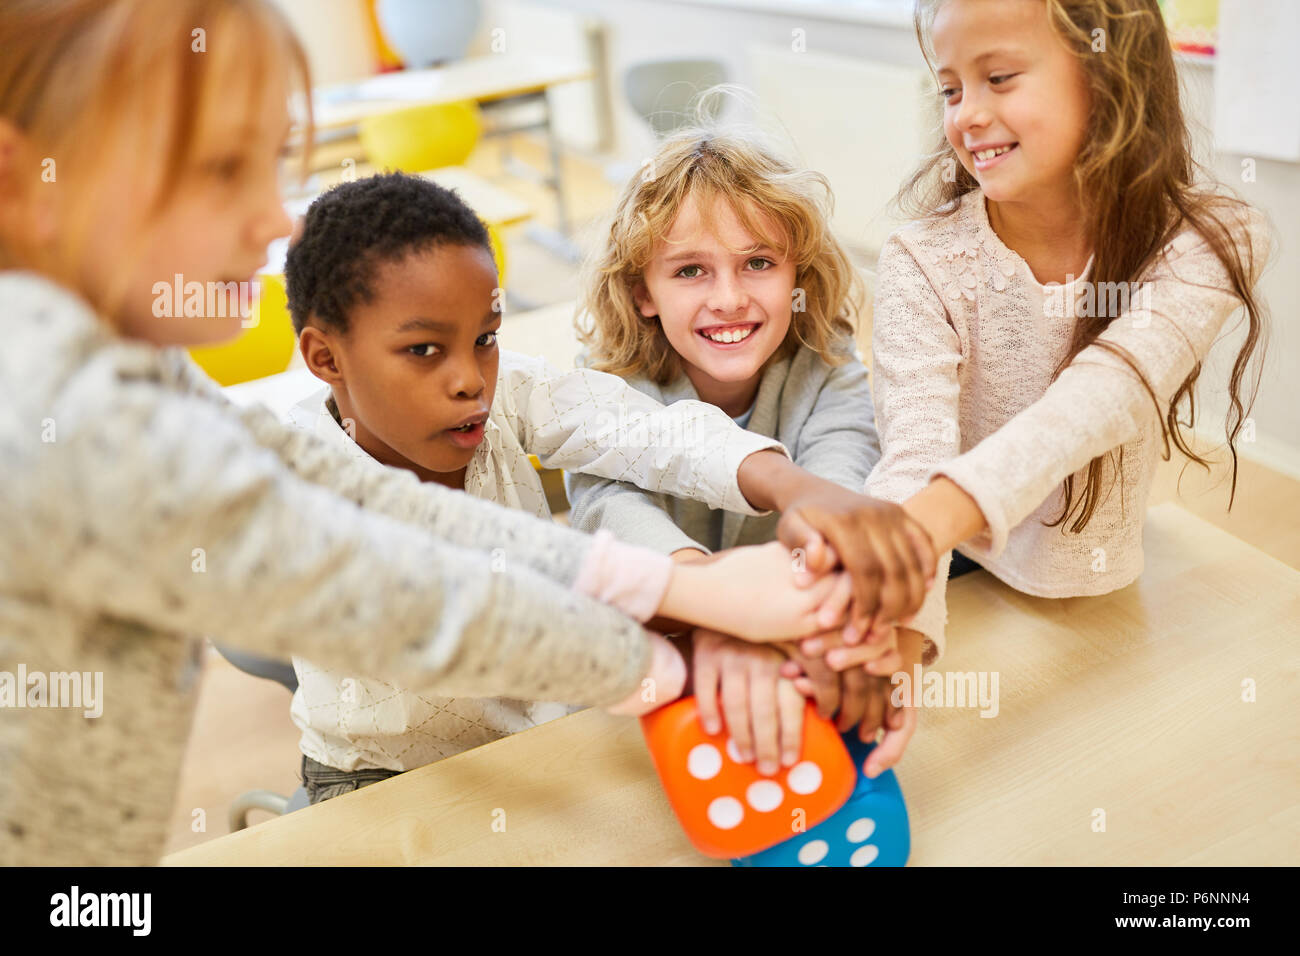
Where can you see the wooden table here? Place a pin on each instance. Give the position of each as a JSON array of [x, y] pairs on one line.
[[1130, 703]]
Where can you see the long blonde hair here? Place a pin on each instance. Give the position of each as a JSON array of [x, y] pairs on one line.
[[1136, 181], [81, 76], [760, 188]]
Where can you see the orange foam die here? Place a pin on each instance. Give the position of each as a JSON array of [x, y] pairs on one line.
[[727, 808]]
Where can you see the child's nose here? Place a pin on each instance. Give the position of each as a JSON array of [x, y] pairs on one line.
[[727, 295], [972, 113], [468, 380]]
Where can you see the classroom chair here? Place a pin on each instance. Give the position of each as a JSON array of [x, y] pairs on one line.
[[281, 672], [661, 91]]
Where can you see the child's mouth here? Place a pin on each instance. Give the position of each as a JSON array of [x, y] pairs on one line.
[[988, 158], [729, 336], [466, 436]]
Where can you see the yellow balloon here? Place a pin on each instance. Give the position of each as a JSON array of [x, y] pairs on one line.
[[264, 348]]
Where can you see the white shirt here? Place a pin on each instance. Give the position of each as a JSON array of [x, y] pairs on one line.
[[579, 420]]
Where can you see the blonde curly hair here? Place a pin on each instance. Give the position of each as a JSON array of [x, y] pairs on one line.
[[781, 205]]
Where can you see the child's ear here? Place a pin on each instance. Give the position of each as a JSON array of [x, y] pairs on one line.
[[644, 304], [318, 352]]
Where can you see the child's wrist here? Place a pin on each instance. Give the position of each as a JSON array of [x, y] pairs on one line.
[[769, 480]]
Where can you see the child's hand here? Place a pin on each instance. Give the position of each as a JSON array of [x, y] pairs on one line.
[[812, 677], [751, 592], [889, 555], [667, 679], [763, 711], [899, 715], [880, 657]]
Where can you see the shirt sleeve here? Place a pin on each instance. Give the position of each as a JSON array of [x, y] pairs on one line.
[[1097, 403], [543, 546], [186, 523], [595, 423], [915, 357], [838, 440], [638, 517]]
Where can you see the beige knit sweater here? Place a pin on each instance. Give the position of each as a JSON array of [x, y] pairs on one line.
[[965, 343], [141, 509]]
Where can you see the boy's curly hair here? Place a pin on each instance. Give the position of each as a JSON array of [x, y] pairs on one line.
[[355, 227]]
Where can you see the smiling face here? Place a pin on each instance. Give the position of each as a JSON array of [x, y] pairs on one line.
[[1015, 98], [416, 371], [723, 299]]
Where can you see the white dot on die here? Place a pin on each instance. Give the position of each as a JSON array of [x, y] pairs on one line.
[[805, 777], [859, 830], [726, 813], [864, 855], [764, 795], [814, 851], [732, 752], [704, 761]]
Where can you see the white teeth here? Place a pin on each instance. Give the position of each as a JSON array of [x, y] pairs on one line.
[[985, 154], [727, 336]]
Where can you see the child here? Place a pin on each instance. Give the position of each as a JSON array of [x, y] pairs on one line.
[[393, 292], [141, 508], [722, 282], [1022, 409]]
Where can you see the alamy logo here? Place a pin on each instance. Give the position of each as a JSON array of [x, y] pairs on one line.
[[102, 909], [84, 689]]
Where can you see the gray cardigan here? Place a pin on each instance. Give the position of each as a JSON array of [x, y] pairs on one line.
[[823, 414]]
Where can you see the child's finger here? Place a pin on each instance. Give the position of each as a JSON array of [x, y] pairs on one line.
[[706, 691], [798, 535], [735, 710], [846, 658], [885, 665], [890, 749], [790, 703], [764, 718], [874, 714], [853, 698], [833, 608]]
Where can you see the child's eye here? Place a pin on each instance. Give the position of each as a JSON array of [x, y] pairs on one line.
[[947, 92], [418, 350], [1002, 78], [225, 167], [486, 340], [684, 269], [764, 263]]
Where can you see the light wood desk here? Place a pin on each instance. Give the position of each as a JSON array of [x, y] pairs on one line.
[[1130, 703]]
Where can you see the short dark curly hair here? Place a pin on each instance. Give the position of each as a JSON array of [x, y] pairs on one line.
[[355, 227]]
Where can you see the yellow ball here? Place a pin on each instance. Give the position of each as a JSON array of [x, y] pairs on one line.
[[264, 348], [421, 137]]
